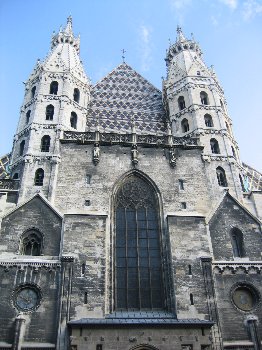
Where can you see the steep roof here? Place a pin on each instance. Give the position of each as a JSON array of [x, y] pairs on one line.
[[124, 98]]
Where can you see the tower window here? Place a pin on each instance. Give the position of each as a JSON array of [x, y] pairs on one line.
[[204, 98], [33, 92], [21, 148], [73, 120], [233, 151], [49, 112], [185, 125], [208, 120], [39, 177], [183, 204], [16, 176], [138, 267], [222, 106], [181, 184], [31, 243], [221, 177], [53, 88], [214, 146], [76, 95], [28, 116], [237, 243], [191, 299], [45, 143], [181, 102]]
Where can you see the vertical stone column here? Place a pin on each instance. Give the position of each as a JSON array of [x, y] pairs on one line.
[[251, 323], [19, 332], [211, 302]]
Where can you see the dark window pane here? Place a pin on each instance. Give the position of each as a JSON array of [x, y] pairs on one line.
[[143, 252], [120, 253], [142, 233], [153, 243], [132, 252], [121, 262], [141, 215]]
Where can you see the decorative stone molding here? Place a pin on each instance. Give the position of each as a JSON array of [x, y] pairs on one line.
[[9, 184], [233, 268], [35, 265]]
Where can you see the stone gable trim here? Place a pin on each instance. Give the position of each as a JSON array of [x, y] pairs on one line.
[[27, 201]]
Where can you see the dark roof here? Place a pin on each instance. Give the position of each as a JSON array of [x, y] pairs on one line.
[[168, 320], [124, 96]]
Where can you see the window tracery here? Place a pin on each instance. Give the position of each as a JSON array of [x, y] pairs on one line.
[[137, 247]]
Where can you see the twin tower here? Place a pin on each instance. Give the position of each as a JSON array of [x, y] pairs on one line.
[[57, 99]]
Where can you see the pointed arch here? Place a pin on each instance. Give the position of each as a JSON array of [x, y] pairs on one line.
[[49, 112], [221, 177], [73, 120], [53, 88], [39, 177], [237, 243], [185, 125], [204, 98], [214, 146], [208, 120], [31, 242], [138, 270], [181, 103], [45, 143], [76, 95]]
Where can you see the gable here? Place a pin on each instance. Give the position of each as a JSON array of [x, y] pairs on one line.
[[124, 98], [35, 214]]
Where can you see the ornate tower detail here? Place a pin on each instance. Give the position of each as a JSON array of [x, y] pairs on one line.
[[56, 97], [196, 105]]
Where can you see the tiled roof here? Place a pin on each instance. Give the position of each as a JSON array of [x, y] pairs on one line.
[[124, 96], [4, 166]]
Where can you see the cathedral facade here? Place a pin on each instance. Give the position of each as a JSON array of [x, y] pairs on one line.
[[126, 222]]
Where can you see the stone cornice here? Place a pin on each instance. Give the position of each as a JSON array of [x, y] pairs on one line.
[[21, 264], [237, 267]]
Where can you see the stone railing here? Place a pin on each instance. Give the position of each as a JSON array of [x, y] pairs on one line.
[[9, 184]]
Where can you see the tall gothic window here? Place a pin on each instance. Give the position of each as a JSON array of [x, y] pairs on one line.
[[22, 148], [31, 243], [237, 243], [138, 270], [28, 113], [53, 88]]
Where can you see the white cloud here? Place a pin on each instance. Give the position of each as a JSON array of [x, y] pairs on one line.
[[251, 8], [145, 33], [179, 4], [232, 4]]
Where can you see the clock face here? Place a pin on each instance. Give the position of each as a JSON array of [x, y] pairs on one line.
[[27, 298]]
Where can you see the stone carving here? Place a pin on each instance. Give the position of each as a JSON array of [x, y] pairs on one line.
[[8, 184], [134, 154], [231, 268], [96, 153], [172, 158]]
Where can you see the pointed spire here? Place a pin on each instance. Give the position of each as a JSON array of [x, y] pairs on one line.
[[66, 35], [68, 29], [180, 35]]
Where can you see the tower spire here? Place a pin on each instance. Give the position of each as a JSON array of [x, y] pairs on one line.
[[180, 35]]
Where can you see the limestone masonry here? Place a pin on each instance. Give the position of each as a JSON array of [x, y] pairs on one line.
[[127, 221]]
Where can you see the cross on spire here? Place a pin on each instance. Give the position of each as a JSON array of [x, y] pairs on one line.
[[123, 55]]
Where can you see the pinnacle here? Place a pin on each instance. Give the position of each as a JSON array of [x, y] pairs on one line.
[[180, 35]]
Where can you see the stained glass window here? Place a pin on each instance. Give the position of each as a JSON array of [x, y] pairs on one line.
[[137, 247]]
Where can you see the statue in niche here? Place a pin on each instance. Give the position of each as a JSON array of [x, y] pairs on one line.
[[134, 154], [172, 157], [96, 153]]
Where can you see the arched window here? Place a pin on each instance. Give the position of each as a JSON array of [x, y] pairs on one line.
[[28, 113], [45, 143], [31, 243], [208, 120], [53, 88], [138, 268], [181, 102], [237, 243], [214, 146], [204, 98], [185, 125], [49, 112], [33, 92], [221, 177], [76, 95], [22, 148], [233, 151], [39, 177], [73, 120]]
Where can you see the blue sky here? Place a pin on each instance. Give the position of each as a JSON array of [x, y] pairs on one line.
[[229, 33]]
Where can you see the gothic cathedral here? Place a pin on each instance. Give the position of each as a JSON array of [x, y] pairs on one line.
[[126, 221]]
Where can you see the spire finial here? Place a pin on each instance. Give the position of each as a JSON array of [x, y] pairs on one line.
[[69, 19], [180, 35], [123, 55]]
